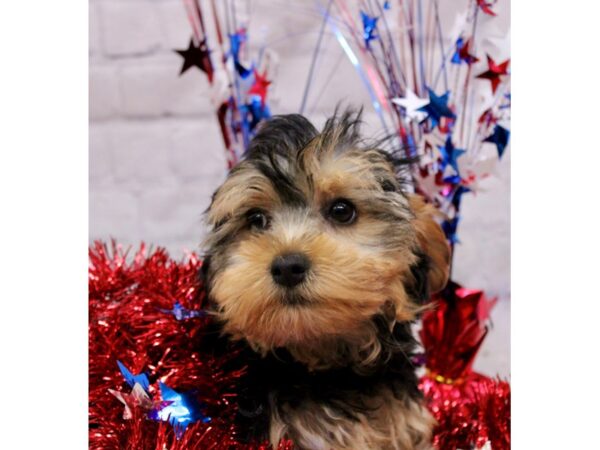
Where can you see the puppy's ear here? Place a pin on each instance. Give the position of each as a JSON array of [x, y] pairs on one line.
[[432, 241]]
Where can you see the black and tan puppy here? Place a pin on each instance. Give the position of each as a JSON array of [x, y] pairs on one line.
[[318, 262]]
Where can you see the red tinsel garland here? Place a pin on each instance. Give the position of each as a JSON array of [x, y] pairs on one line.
[[128, 297], [126, 323], [469, 413]]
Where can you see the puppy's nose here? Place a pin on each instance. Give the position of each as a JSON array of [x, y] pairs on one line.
[[290, 270]]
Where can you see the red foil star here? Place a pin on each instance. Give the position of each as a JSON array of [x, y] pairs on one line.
[[486, 7], [260, 86], [464, 54], [487, 117], [494, 72]]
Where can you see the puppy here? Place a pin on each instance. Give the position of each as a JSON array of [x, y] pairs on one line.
[[318, 262]]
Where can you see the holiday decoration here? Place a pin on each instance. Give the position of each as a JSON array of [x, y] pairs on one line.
[[443, 97], [432, 90], [197, 56], [471, 409], [239, 84], [151, 384], [172, 391]]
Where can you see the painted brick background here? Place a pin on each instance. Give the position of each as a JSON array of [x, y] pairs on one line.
[[156, 153]]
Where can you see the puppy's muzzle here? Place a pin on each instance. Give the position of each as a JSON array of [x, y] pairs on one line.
[[290, 270]]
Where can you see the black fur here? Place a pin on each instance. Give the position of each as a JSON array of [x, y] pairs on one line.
[[276, 380], [277, 139], [419, 291]]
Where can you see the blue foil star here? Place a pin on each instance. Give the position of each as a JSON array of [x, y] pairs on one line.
[[369, 28], [437, 107], [459, 45], [457, 197], [462, 54], [256, 111], [450, 154], [182, 313], [507, 104], [242, 71], [499, 137], [179, 409], [235, 41], [449, 227], [141, 379]]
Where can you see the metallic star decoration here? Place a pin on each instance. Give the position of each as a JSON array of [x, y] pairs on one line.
[[181, 410], [457, 196], [462, 52], [243, 71], [487, 117], [437, 107], [254, 112], [259, 88], [369, 28], [450, 154], [449, 227], [486, 7], [197, 57], [137, 398], [182, 313], [412, 104], [235, 41], [494, 72], [132, 379], [500, 137]]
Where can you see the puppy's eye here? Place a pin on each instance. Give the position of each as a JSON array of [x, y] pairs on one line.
[[342, 211], [257, 219]]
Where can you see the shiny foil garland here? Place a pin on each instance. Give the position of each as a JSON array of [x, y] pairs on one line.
[[146, 322], [130, 296]]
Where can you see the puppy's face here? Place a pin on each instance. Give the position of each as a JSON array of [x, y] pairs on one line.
[[312, 236]]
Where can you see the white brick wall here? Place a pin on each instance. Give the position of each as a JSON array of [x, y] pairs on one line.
[[156, 153]]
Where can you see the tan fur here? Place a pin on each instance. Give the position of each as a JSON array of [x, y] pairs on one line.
[[351, 279], [393, 425], [242, 187], [347, 287]]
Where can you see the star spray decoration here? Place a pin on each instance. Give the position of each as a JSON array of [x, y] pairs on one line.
[[236, 81], [445, 107], [431, 98]]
